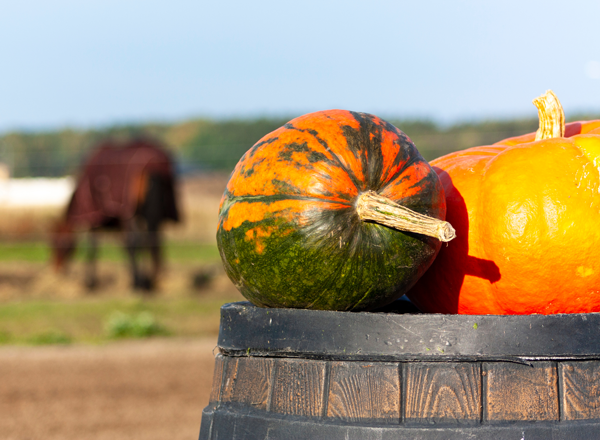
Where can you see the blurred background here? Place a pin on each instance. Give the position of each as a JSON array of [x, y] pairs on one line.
[[207, 80]]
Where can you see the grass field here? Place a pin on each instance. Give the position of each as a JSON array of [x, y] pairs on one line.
[[174, 250], [100, 320], [39, 306], [32, 316]]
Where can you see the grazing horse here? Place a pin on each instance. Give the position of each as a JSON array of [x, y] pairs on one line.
[[128, 187]]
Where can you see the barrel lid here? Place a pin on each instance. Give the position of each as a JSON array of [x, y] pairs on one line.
[[394, 335]]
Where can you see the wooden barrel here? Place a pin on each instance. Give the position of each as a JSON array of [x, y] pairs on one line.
[[304, 374]]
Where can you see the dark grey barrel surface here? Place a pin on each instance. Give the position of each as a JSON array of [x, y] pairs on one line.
[[304, 374]]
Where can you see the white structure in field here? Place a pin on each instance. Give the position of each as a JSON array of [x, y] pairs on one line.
[[36, 192]]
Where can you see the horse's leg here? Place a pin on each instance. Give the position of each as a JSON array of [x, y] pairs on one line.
[[153, 213], [154, 247], [136, 241], [91, 278], [132, 244]]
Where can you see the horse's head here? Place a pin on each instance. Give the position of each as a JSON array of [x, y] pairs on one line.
[[63, 244]]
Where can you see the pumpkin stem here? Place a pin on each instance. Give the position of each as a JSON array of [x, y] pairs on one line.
[[552, 117], [372, 206]]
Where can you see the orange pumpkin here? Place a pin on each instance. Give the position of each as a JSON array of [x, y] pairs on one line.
[[527, 220]]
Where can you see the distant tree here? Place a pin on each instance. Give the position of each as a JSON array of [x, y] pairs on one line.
[[203, 144], [220, 145]]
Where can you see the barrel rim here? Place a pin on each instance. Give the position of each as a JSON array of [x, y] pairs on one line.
[[394, 336]]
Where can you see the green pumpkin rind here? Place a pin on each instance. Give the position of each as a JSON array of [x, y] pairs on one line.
[[329, 259]]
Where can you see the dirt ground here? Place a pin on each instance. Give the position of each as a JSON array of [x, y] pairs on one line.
[[123, 391]]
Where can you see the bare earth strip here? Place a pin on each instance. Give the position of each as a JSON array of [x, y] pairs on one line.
[[131, 390]]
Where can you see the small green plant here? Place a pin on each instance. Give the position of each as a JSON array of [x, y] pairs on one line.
[[141, 325], [50, 337]]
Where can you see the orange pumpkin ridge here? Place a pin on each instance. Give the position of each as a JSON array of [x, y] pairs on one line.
[[526, 214]]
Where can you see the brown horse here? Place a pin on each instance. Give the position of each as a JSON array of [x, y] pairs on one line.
[[128, 187]]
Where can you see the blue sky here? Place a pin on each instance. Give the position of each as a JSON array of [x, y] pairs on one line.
[[98, 62]]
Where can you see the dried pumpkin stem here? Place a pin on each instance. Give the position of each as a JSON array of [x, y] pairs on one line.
[[552, 117], [372, 206]]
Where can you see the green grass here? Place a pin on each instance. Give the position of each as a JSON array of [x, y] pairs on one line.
[[110, 251], [24, 251], [190, 252], [96, 321]]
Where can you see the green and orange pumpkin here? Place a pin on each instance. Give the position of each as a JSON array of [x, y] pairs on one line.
[[290, 233], [527, 215]]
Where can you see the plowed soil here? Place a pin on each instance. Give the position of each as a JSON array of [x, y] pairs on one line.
[[132, 390]]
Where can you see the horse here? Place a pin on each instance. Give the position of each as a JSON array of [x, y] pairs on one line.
[[129, 187]]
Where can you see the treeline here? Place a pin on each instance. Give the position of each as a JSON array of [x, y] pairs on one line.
[[218, 144]]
